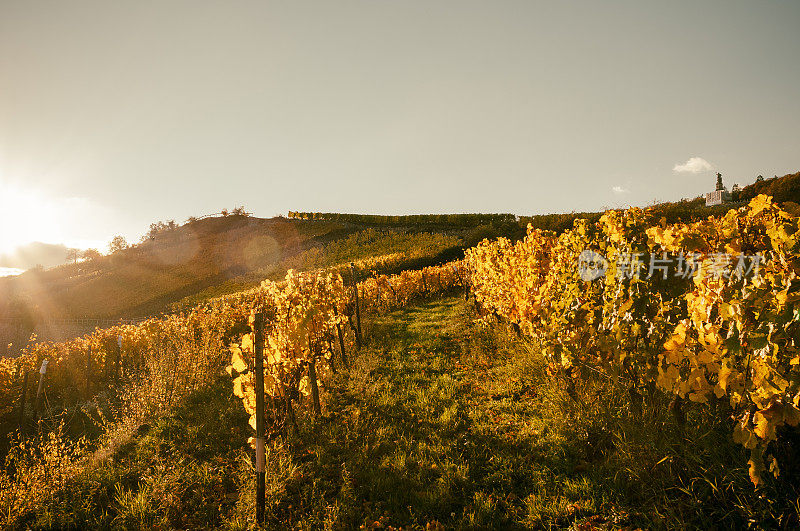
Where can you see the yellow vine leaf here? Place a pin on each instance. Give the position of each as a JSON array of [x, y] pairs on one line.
[[763, 426], [238, 386], [756, 465], [758, 204], [237, 363]]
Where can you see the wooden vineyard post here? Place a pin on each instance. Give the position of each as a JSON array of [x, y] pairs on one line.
[[358, 310], [341, 339], [353, 327], [312, 376], [22, 401], [258, 331], [42, 372]]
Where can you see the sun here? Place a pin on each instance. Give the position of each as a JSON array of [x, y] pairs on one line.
[[26, 215]]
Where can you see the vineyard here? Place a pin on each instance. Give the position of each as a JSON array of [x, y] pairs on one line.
[[683, 326], [721, 327], [456, 220]]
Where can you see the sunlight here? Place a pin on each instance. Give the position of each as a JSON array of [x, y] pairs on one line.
[[26, 215]]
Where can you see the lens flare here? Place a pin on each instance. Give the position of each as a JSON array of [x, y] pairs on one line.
[[26, 215]]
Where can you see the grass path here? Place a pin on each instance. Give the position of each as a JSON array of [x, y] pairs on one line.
[[437, 425], [433, 427]]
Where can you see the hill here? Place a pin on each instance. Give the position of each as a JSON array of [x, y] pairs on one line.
[[183, 265], [782, 189], [142, 279], [202, 259], [425, 410], [439, 423]]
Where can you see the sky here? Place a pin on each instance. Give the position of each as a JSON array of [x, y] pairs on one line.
[[114, 115]]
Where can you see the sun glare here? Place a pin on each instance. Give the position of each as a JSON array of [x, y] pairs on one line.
[[25, 216]]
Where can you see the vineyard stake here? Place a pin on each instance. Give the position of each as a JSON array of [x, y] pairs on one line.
[[358, 310], [312, 376], [355, 331], [341, 339], [258, 331], [42, 372], [22, 401]]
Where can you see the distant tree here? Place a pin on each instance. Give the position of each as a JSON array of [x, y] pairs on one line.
[[224, 212], [158, 228], [760, 178], [118, 243], [155, 228], [73, 255], [91, 254], [191, 219], [239, 211]]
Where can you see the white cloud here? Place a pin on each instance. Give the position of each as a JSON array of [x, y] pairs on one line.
[[693, 165], [620, 190]]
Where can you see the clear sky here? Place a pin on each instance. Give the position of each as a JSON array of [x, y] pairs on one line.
[[117, 114]]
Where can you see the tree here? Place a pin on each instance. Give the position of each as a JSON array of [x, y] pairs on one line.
[[73, 255], [159, 228], [91, 254], [118, 243]]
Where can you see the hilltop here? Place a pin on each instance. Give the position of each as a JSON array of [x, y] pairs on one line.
[[142, 279]]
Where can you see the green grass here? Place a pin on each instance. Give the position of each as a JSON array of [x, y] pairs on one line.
[[441, 422]]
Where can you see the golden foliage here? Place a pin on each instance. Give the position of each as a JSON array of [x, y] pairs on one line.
[[724, 328]]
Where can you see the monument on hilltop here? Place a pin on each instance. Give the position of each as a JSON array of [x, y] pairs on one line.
[[718, 196]]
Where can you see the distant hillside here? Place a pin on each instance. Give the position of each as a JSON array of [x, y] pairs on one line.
[[430, 220], [372, 250], [145, 278], [199, 260], [782, 189]]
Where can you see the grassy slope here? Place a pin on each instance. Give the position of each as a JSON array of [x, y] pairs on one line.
[[418, 249], [438, 420], [204, 259], [143, 279]]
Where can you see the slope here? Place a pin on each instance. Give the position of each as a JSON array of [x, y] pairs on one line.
[[440, 423]]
